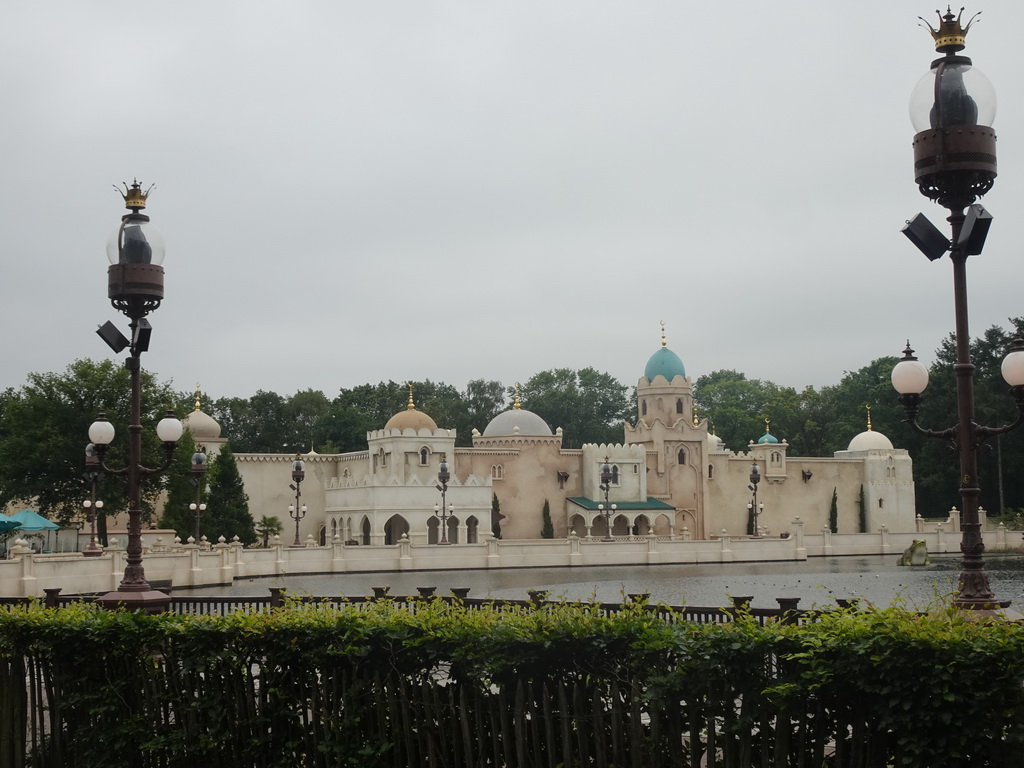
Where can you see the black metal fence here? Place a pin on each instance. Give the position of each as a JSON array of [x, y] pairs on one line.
[[788, 609]]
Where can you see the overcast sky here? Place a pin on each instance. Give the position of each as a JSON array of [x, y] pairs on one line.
[[353, 192]]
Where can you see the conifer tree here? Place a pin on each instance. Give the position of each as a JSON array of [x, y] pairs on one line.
[[181, 491], [833, 513], [496, 516], [863, 511], [227, 511], [547, 530]]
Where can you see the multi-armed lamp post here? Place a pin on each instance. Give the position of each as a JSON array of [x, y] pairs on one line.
[[136, 288], [952, 108], [198, 472], [92, 504], [298, 510], [753, 508], [606, 509], [445, 511]]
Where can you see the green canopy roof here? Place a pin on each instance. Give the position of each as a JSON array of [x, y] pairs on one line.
[[580, 501]]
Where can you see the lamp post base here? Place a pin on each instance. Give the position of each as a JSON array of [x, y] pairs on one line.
[[149, 601]]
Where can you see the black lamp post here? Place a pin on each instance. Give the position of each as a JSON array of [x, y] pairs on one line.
[[952, 109], [198, 472], [606, 509], [298, 510], [136, 288], [445, 511], [753, 508], [92, 504]]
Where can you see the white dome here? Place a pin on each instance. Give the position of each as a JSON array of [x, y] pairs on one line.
[[715, 443], [201, 426], [517, 421], [870, 441]]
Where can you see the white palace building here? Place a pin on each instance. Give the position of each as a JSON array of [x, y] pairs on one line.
[[669, 476]]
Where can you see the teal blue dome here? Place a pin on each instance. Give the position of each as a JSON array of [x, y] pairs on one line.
[[767, 437], [665, 363]]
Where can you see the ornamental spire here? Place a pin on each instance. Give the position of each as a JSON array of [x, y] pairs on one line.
[[950, 35], [134, 197]]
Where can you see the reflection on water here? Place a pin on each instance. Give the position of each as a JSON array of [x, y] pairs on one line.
[[816, 581]]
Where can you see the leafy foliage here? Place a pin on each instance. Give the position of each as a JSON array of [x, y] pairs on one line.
[[590, 406], [44, 430], [181, 491], [227, 512], [361, 684], [547, 530], [268, 526]]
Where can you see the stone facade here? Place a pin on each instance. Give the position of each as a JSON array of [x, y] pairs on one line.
[[670, 477]]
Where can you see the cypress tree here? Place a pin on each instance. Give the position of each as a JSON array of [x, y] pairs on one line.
[[863, 511], [833, 513], [547, 530], [227, 511]]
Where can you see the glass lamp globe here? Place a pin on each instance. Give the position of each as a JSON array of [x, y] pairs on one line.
[[101, 431], [169, 428], [1013, 365], [909, 376], [135, 241], [953, 93]]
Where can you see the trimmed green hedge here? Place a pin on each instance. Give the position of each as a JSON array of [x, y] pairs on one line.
[[372, 684]]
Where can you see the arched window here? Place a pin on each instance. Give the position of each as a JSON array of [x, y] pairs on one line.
[[615, 474], [881, 503], [643, 407], [679, 405], [681, 457], [497, 472], [424, 457], [711, 471]]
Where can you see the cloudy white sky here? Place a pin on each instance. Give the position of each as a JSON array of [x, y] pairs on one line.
[[360, 191]]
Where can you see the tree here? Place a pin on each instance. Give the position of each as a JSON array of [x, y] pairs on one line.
[[227, 511], [833, 512], [268, 526], [590, 406], [738, 406], [547, 530], [483, 401], [496, 516], [306, 412], [862, 511], [181, 492], [44, 431], [936, 471]]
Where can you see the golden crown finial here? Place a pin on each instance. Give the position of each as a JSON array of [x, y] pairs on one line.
[[134, 197], [515, 403], [950, 36], [869, 417], [696, 421], [411, 406], [664, 342], [197, 397], [767, 426]]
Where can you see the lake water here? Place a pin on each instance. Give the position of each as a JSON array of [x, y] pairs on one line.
[[819, 580]]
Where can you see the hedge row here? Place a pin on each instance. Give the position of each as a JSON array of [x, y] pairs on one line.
[[374, 684]]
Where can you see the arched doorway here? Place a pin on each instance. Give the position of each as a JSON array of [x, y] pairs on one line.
[[394, 528]]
